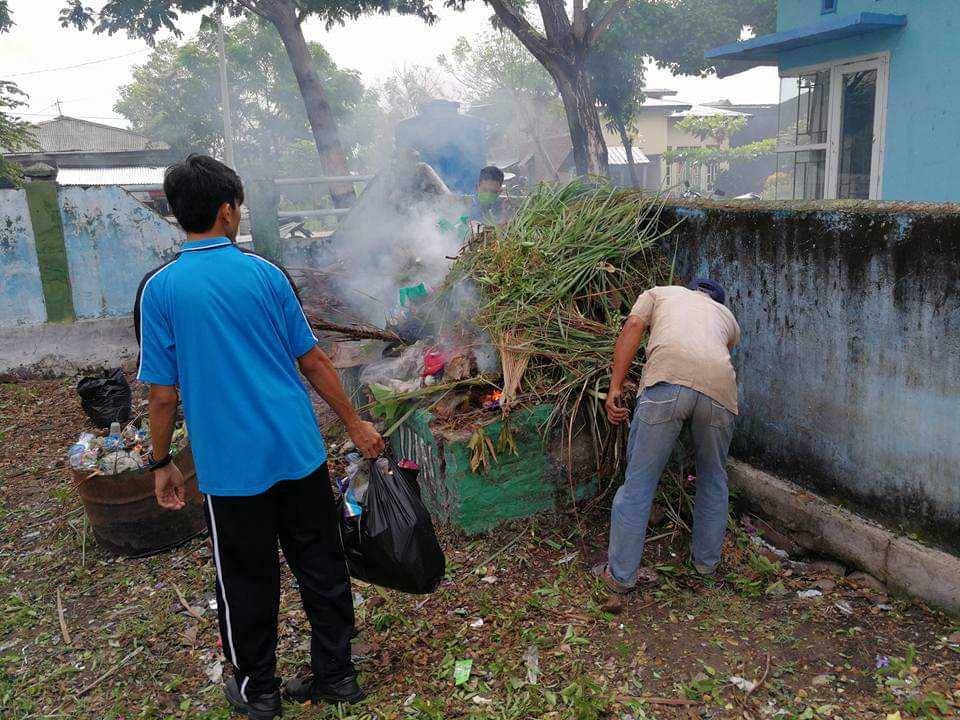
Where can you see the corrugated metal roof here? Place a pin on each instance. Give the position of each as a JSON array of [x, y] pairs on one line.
[[707, 111], [67, 134], [617, 155], [656, 103], [111, 176]]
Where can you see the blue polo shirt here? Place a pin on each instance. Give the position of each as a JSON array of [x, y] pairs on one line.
[[226, 326]]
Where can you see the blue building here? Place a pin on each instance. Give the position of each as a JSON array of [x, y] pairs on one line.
[[870, 97], [453, 144]]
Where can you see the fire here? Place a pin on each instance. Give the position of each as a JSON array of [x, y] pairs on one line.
[[492, 399]]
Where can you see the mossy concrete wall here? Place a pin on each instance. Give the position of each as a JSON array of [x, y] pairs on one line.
[[514, 486], [849, 367], [73, 256]]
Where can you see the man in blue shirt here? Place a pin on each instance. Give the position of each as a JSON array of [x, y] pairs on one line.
[[226, 328]]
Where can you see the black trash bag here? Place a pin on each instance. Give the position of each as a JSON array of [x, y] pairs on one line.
[[106, 399], [393, 543]]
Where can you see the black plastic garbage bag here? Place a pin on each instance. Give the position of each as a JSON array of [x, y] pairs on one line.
[[393, 543], [106, 399]]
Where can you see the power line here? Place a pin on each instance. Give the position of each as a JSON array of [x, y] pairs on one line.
[[78, 117], [78, 65]]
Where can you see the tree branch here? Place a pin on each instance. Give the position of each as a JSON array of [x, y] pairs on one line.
[[579, 20], [556, 24], [249, 5], [608, 17], [524, 31]]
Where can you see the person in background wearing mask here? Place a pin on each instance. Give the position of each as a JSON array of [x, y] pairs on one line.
[[223, 329], [687, 377], [487, 205]]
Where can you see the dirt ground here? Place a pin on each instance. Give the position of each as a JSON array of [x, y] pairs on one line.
[[544, 639]]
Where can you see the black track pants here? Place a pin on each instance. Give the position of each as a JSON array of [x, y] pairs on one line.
[[302, 515]]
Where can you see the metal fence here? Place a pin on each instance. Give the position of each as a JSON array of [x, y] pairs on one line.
[[319, 180]]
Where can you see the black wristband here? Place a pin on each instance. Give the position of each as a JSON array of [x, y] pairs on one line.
[[163, 462]]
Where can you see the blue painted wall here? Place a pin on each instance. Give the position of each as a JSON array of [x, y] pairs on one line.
[[923, 104], [21, 294], [850, 355], [112, 241]]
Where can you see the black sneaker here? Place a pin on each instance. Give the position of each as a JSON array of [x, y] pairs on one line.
[[303, 689], [262, 707]]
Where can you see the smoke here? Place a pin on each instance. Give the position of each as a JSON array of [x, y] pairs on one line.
[[403, 230]]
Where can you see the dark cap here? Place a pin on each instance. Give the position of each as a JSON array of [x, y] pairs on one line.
[[710, 287]]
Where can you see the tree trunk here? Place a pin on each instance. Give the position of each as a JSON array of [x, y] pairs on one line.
[[332, 157], [583, 119], [564, 55], [628, 147]]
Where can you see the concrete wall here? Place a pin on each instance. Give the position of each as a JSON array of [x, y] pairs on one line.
[[850, 358], [107, 241], [71, 259], [921, 135], [112, 241], [21, 294]]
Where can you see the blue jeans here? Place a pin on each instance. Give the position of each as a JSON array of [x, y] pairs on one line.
[[660, 414]]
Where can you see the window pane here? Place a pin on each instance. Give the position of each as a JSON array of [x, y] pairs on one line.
[[789, 87], [858, 101], [800, 175], [803, 109]]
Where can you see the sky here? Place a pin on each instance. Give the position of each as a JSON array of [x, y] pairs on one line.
[[84, 71]]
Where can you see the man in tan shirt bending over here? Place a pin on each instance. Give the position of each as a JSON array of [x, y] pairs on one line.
[[688, 376]]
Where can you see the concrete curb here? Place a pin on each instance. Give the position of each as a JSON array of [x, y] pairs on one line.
[[902, 564], [64, 349]]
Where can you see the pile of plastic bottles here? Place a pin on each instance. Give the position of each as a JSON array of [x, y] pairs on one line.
[[118, 450]]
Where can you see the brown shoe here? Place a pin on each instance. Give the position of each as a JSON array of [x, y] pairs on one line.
[[602, 572]]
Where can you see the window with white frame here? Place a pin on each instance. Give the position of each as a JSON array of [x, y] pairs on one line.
[[832, 119]]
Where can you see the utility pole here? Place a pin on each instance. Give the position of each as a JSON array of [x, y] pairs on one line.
[[225, 98]]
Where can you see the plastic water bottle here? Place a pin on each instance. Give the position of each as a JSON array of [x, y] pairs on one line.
[[359, 480], [113, 441], [353, 486]]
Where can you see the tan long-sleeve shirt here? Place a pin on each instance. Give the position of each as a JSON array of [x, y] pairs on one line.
[[691, 336]]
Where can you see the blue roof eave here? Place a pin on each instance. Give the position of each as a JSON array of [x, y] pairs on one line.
[[769, 47]]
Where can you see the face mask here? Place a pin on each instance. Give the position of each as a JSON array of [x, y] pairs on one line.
[[487, 198]]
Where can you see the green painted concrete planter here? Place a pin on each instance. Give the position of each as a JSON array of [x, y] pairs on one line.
[[514, 486]]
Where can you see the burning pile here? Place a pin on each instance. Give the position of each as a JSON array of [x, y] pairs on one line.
[[549, 292], [555, 285]]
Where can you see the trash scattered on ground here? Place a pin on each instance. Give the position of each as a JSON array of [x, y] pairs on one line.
[[746, 685], [461, 671], [807, 594], [478, 623], [844, 607], [214, 671], [531, 659]]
